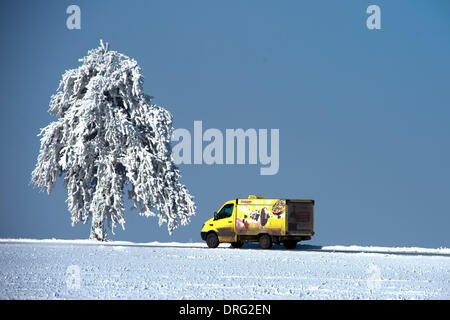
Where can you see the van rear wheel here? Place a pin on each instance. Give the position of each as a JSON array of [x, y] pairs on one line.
[[265, 241], [290, 244], [237, 244], [212, 240]]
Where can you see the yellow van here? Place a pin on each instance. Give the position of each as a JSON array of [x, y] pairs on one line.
[[257, 219]]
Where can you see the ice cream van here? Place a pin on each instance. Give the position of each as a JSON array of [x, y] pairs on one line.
[[257, 219]]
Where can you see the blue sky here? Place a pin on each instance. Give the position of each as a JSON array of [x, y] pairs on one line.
[[363, 114]]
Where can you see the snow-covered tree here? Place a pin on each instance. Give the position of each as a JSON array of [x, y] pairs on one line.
[[109, 138]]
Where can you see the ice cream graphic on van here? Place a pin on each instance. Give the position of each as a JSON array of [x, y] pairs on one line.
[[279, 208], [264, 217]]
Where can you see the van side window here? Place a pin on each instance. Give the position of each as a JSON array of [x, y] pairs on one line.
[[226, 212]]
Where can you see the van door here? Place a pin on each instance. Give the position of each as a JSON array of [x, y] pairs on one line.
[[300, 217], [225, 223]]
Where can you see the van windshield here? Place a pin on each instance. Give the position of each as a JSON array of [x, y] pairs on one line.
[[226, 212]]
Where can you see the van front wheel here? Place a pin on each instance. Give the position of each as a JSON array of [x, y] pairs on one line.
[[212, 240], [265, 241]]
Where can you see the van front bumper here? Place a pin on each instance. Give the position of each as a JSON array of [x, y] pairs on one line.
[[203, 235]]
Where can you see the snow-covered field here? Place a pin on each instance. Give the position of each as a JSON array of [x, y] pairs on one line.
[[81, 269]]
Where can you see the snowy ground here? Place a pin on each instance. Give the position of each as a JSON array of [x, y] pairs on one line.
[[80, 269]]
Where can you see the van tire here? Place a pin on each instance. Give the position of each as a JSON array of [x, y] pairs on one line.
[[212, 240], [290, 244], [237, 244], [265, 241]]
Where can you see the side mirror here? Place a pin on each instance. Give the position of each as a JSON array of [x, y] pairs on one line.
[[215, 215]]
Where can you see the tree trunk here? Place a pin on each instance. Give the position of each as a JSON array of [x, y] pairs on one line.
[[98, 227]]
